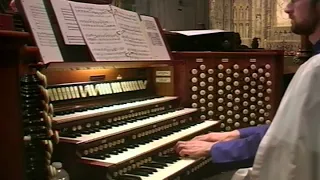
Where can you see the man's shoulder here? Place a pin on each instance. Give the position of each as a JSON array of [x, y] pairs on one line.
[[311, 66]]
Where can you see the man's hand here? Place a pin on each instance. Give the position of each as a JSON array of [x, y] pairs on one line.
[[194, 149], [218, 136]]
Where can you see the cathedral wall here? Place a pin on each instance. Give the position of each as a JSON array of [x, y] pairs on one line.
[[264, 19]]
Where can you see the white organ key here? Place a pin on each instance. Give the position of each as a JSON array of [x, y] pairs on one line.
[[142, 149], [131, 86], [73, 93], [119, 87], [169, 170], [51, 95], [76, 90], [60, 93], [136, 85], [83, 93], [124, 87], [110, 109], [64, 93], [145, 84], [109, 89], [114, 88], [69, 94], [87, 89], [102, 90], [94, 90], [85, 138], [128, 86], [55, 94]]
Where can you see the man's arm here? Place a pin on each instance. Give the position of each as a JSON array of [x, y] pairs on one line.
[[239, 149], [246, 132]]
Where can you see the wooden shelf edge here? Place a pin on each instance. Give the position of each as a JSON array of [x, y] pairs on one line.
[[13, 34]]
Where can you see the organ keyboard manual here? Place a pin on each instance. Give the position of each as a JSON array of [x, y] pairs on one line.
[[119, 100], [121, 128]]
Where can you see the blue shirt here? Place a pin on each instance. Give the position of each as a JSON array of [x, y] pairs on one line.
[[316, 48], [241, 149]]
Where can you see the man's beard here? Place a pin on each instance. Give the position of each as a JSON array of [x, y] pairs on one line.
[[306, 27]]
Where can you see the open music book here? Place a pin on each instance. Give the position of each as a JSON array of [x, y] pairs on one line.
[[111, 33]]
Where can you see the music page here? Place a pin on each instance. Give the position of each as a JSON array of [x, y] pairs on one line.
[[158, 47], [132, 33], [42, 31], [100, 32], [67, 22]]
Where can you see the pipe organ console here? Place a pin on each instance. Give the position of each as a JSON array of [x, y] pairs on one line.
[[117, 121], [240, 89]]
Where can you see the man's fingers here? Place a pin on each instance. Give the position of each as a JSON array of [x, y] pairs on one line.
[[185, 152], [179, 146]]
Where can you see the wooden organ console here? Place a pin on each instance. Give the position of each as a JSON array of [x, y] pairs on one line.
[[121, 120], [240, 89], [117, 121]]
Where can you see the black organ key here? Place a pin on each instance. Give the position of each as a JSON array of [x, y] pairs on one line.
[[129, 177]]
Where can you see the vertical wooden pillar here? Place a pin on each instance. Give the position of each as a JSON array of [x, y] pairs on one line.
[[306, 50], [11, 133]]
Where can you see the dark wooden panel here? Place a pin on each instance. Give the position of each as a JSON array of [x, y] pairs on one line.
[[10, 114]]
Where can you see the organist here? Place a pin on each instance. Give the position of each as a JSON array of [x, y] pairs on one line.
[[225, 147], [290, 147]]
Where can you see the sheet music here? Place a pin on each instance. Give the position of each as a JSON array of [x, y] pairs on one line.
[[132, 33], [158, 47], [100, 31], [42, 30], [67, 22]]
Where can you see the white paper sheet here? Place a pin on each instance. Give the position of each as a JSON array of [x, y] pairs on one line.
[[100, 31], [158, 47], [67, 22], [42, 30], [132, 33]]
